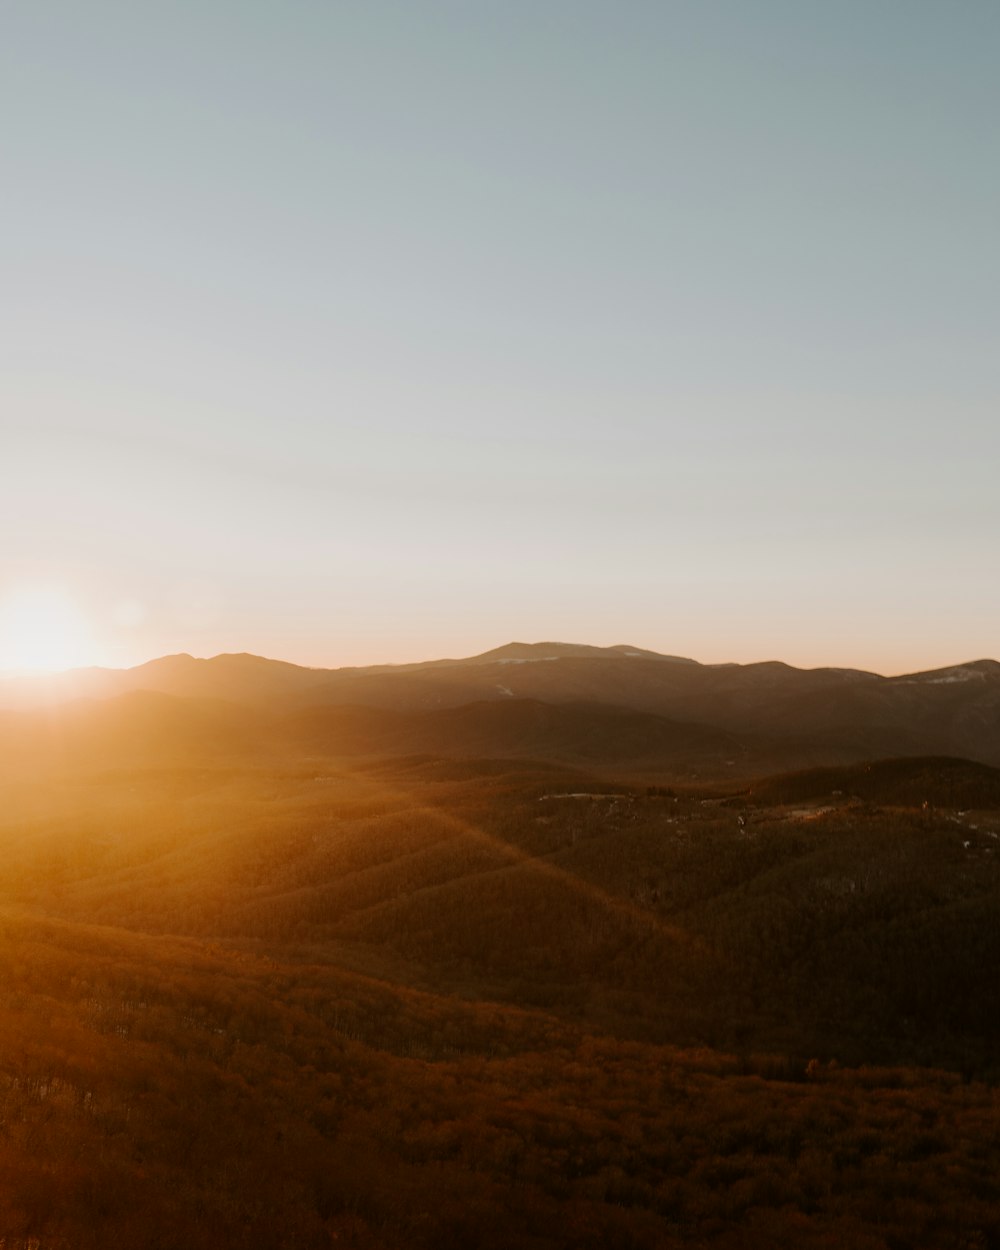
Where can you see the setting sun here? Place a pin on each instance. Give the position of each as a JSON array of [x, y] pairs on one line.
[[42, 630]]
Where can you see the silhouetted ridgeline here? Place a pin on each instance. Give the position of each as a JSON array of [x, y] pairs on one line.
[[685, 716]]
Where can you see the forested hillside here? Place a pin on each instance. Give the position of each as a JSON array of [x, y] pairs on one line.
[[413, 1001]]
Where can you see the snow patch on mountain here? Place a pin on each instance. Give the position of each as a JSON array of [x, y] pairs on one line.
[[532, 659]]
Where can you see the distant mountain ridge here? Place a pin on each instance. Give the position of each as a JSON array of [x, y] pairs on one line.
[[768, 714]]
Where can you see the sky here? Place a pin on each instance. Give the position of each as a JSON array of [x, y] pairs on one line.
[[349, 332]]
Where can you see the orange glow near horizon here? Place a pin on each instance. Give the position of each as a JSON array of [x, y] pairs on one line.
[[43, 630], [47, 627]]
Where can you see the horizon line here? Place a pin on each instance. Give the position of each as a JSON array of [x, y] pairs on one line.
[[44, 675]]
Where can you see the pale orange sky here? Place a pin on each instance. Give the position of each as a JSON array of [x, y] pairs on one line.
[[45, 625]]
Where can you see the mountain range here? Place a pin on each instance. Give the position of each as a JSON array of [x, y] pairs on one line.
[[622, 708]]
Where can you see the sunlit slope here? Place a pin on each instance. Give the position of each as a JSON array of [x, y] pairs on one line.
[[858, 928], [140, 729], [425, 1002]]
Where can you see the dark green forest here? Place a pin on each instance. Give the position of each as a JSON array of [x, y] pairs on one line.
[[289, 1001]]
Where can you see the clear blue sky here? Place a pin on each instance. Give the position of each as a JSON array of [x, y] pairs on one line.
[[349, 332]]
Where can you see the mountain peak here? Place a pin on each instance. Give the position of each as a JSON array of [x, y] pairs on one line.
[[521, 652]]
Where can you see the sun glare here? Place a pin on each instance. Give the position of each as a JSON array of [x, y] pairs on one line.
[[42, 630]]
